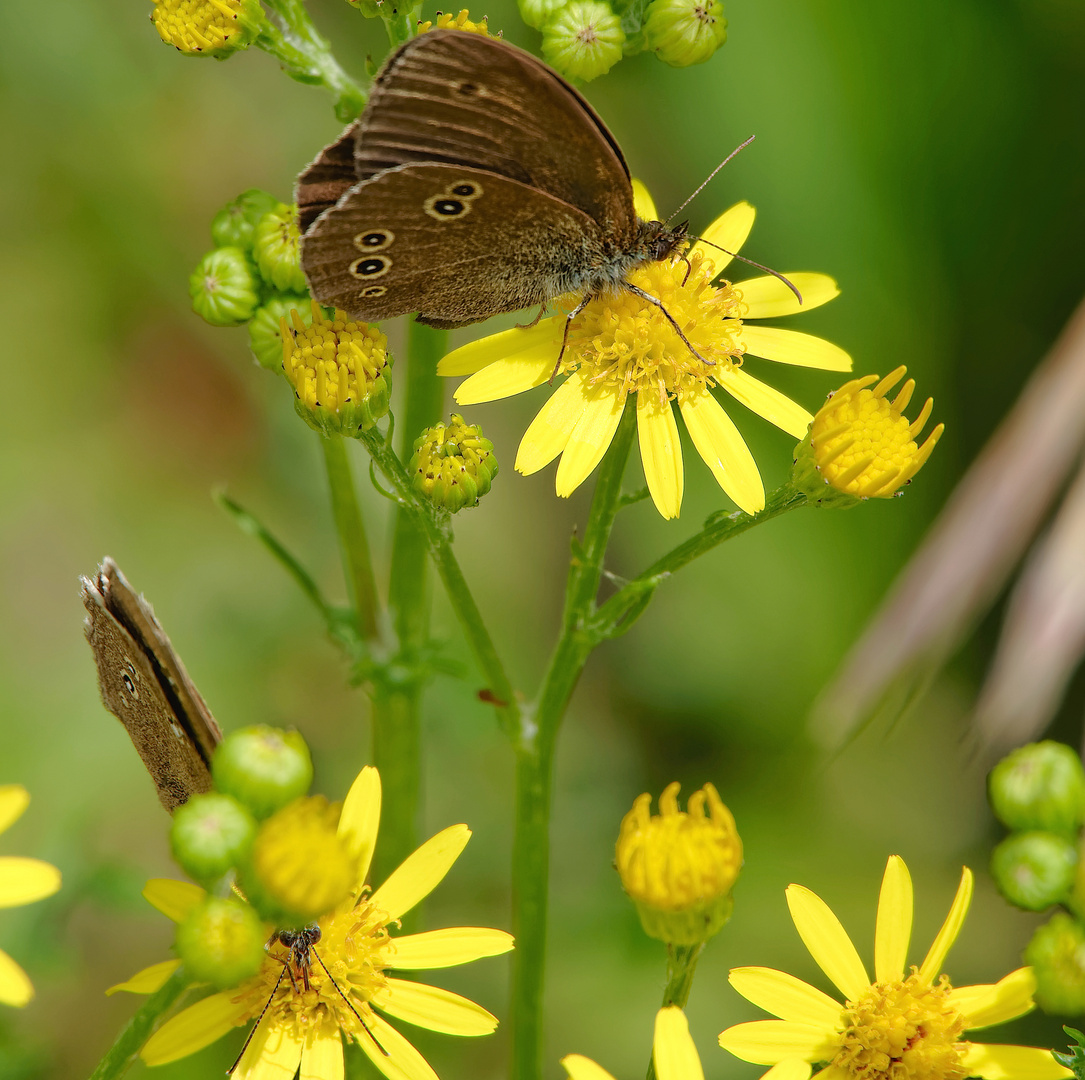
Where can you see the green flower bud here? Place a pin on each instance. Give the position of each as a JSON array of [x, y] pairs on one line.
[[265, 328], [221, 941], [208, 27], [340, 372], [537, 13], [453, 465], [235, 223], [371, 9], [583, 40], [1039, 786], [1056, 955], [210, 835], [684, 32], [275, 248], [262, 767], [224, 289], [1034, 869]]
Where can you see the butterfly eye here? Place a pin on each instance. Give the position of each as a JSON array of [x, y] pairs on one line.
[[442, 208], [374, 240], [374, 266]]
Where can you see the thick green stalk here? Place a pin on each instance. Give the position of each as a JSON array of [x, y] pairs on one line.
[[397, 747], [681, 965], [122, 1055], [535, 762], [353, 542]]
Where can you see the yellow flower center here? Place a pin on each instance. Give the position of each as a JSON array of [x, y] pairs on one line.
[[628, 343], [863, 444], [351, 947], [198, 25], [447, 21], [903, 1030]]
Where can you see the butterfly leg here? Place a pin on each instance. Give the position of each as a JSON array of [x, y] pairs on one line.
[[656, 302], [535, 321], [565, 337]]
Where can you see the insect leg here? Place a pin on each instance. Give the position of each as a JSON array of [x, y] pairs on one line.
[[535, 321], [565, 337], [350, 1004], [656, 302], [230, 1070]]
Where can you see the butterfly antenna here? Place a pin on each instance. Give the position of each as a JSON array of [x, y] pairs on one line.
[[252, 1032], [350, 1004], [750, 262], [741, 146]]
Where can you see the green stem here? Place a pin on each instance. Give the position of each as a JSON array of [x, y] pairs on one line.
[[681, 965], [535, 761], [353, 543], [122, 1055]]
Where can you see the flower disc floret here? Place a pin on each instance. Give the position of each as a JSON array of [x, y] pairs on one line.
[[208, 27], [460, 21], [453, 465]]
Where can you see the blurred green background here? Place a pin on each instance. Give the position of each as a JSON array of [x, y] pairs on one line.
[[929, 156]]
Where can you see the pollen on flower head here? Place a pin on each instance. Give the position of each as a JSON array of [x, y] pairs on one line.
[[679, 867], [208, 27], [300, 867], [861, 444], [339, 370], [453, 465], [905, 1029], [462, 21]]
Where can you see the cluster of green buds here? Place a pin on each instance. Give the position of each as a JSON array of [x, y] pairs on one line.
[[1038, 792], [253, 275], [679, 867], [453, 465], [266, 852]]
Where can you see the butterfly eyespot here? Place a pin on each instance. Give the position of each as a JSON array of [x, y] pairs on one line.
[[467, 89], [130, 677], [374, 266], [374, 290], [468, 190], [374, 240], [443, 208]]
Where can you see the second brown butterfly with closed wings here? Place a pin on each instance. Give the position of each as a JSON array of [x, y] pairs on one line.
[[477, 181]]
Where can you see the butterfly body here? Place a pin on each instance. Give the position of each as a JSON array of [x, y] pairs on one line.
[[477, 181]]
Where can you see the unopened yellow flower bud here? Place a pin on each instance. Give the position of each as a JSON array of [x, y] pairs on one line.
[[300, 868], [685, 32], [462, 21], [583, 40], [453, 465], [860, 445], [340, 372], [679, 867], [208, 27], [275, 249]]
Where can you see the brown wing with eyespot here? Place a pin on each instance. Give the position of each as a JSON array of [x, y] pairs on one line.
[[455, 244]]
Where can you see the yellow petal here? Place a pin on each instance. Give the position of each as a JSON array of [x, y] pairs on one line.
[[932, 965], [995, 1003], [148, 980], [421, 872], [643, 202], [360, 818], [998, 1062], [786, 996], [827, 941], [175, 899], [893, 930], [581, 1068], [590, 438], [660, 452], [728, 231], [766, 1042], [433, 1008], [273, 1054], [775, 407], [789, 1069], [548, 434], [510, 376], [723, 450], [446, 948], [673, 1051], [22, 880], [395, 1057], [476, 355], [792, 347], [832, 1072], [192, 1029], [14, 799], [15, 986], [322, 1056], [769, 297]]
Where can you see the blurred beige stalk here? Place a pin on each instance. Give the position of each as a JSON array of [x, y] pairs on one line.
[[964, 562]]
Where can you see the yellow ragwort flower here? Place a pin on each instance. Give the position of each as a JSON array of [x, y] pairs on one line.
[[620, 346], [673, 1052], [860, 442], [22, 881], [679, 867], [303, 1025], [906, 1025], [207, 27], [462, 21]]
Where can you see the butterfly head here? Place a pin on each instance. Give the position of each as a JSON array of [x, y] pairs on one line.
[[660, 240]]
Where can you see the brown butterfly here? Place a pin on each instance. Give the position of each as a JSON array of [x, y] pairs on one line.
[[477, 181]]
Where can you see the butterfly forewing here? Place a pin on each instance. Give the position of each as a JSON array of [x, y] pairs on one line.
[[327, 179]]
